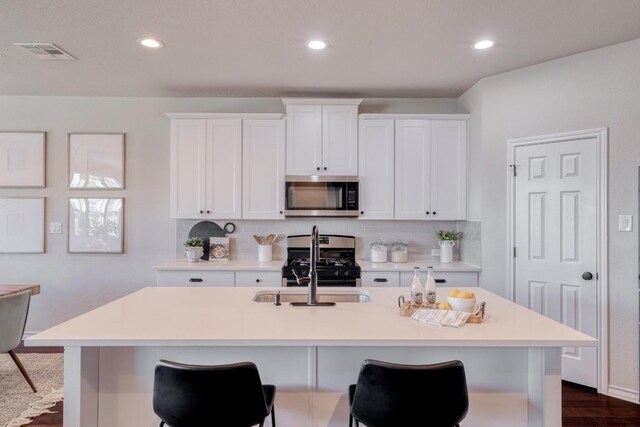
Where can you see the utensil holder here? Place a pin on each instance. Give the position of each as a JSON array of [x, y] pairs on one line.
[[265, 253]]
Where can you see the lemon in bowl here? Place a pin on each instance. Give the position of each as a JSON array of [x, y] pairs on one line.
[[462, 300]]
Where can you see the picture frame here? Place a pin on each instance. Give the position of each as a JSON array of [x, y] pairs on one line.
[[96, 225], [22, 221], [97, 161], [22, 159]]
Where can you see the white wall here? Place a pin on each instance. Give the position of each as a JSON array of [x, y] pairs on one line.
[[73, 284], [590, 90]]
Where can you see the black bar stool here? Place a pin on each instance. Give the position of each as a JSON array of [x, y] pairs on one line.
[[219, 395], [391, 395]]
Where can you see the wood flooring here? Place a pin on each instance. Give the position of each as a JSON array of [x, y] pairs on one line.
[[581, 406]]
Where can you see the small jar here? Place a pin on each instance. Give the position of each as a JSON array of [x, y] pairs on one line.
[[378, 251], [399, 252]]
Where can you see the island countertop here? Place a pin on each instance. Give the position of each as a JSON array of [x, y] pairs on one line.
[[229, 317]]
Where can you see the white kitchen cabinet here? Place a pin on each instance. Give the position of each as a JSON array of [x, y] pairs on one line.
[[188, 165], [380, 279], [431, 169], [448, 169], [412, 174], [195, 278], [376, 169], [322, 137], [206, 168], [263, 159], [444, 279], [258, 278]]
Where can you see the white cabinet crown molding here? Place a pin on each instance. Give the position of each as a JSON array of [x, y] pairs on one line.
[[252, 116], [376, 116], [322, 101]]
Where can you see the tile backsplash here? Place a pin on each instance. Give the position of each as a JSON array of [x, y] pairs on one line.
[[419, 235]]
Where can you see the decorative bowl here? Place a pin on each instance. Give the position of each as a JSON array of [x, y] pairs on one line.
[[462, 304]]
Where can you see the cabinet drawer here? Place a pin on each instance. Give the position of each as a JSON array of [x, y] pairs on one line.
[[258, 278], [451, 279], [380, 279], [196, 278]]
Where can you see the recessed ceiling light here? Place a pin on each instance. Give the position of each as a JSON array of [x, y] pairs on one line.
[[484, 44], [152, 43], [316, 44]]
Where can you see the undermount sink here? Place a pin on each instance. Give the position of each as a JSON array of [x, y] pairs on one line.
[[332, 296]]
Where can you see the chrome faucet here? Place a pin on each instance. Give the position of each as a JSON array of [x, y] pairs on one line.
[[314, 250], [313, 263]]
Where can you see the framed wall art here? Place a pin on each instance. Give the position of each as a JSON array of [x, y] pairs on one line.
[[96, 161], [21, 225], [22, 159], [96, 225]]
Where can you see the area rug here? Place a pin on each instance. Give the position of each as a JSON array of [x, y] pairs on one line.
[[18, 403]]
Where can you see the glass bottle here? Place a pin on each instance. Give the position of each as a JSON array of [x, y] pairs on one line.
[[416, 288], [430, 289]]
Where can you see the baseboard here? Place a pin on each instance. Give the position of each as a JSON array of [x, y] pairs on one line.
[[28, 334], [623, 393]]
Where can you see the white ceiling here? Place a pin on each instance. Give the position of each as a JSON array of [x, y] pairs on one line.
[[378, 48]]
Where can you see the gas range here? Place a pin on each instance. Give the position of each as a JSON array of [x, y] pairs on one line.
[[336, 266]]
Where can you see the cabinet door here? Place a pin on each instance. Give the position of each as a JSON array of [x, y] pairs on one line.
[[263, 169], [448, 169], [187, 170], [304, 139], [258, 278], [376, 168], [340, 140], [224, 169], [412, 174], [382, 279], [195, 278]]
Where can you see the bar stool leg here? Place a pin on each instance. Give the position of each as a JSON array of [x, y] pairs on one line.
[[273, 416], [14, 356]]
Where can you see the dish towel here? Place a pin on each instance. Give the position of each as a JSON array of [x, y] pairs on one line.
[[450, 318]]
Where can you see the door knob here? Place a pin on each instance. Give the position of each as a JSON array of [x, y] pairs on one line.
[[587, 276]]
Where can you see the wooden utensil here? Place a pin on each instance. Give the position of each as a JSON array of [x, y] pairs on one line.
[[258, 239]]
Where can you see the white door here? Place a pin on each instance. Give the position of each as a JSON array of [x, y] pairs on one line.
[[412, 163], [555, 196], [224, 169], [304, 139], [340, 140], [376, 168], [188, 165], [448, 169], [263, 169]]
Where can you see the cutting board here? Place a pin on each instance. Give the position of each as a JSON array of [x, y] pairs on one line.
[[204, 230]]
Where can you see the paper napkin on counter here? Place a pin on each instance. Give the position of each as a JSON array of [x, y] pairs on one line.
[[432, 316]]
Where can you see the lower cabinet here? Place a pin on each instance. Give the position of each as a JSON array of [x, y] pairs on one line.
[[383, 279], [195, 278], [219, 278], [258, 278], [444, 279]]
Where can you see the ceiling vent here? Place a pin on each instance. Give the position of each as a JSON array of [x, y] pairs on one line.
[[48, 51]]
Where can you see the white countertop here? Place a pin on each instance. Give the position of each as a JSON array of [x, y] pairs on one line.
[[231, 265], [229, 317], [423, 264], [238, 265]]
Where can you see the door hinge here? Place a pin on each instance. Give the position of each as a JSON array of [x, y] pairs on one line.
[[513, 167], [514, 251], [597, 276]]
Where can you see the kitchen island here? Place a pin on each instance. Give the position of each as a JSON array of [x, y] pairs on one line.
[[311, 354]]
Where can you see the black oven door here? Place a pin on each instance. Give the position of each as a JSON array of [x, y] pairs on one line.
[[346, 283]]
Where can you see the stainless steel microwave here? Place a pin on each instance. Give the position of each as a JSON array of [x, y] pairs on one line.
[[321, 196]]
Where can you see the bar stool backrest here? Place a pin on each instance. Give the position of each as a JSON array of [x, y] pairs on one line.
[[219, 395], [390, 395]]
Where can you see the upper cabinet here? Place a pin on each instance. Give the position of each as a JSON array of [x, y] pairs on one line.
[[376, 168], [263, 144], [207, 166], [413, 167], [322, 136]]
